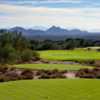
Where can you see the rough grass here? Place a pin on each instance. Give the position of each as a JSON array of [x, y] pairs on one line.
[[52, 66], [78, 89], [76, 55]]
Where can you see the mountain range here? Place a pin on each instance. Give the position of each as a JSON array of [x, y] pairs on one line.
[[55, 33]]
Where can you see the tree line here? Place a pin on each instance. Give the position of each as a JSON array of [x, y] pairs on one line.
[[66, 44]]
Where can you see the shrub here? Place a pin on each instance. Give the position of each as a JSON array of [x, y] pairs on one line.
[[3, 69], [8, 54], [98, 50], [36, 55], [11, 76], [89, 73], [2, 78], [97, 63], [28, 55], [27, 74]]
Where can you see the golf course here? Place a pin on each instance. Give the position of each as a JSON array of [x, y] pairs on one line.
[[76, 55], [49, 49], [68, 89], [55, 89]]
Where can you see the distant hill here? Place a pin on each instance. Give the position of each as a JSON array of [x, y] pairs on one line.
[[55, 33]]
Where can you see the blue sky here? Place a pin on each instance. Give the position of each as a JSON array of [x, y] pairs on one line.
[[81, 14]]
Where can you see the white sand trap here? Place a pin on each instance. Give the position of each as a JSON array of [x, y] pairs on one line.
[[70, 75]]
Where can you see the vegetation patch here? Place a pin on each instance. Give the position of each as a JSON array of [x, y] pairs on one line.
[[12, 74], [14, 48], [88, 73]]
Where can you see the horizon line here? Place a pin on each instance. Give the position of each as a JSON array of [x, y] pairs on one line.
[[47, 27]]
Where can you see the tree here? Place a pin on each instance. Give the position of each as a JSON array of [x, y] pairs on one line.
[[8, 54], [20, 42]]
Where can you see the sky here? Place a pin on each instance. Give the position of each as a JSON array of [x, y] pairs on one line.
[[70, 14]]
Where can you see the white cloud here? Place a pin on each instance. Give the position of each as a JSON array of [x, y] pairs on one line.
[[22, 9], [83, 18], [58, 1], [41, 1]]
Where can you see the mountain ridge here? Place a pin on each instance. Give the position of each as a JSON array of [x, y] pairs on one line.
[[56, 32]]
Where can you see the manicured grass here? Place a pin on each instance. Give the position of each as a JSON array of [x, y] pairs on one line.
[[52, 66], [70, 55], [78, 89]]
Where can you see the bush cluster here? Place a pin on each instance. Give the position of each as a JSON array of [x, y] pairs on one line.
[[12, 74], [88, 73], [46, 74]]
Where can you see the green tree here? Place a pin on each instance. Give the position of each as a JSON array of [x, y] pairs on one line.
[[8, 54]]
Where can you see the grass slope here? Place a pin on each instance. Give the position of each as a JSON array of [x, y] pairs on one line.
[[70, 55], [78, 89], [52, 66]]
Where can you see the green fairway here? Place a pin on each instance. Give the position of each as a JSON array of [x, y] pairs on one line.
[[78, 89], [52, 66], [70, 55]]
